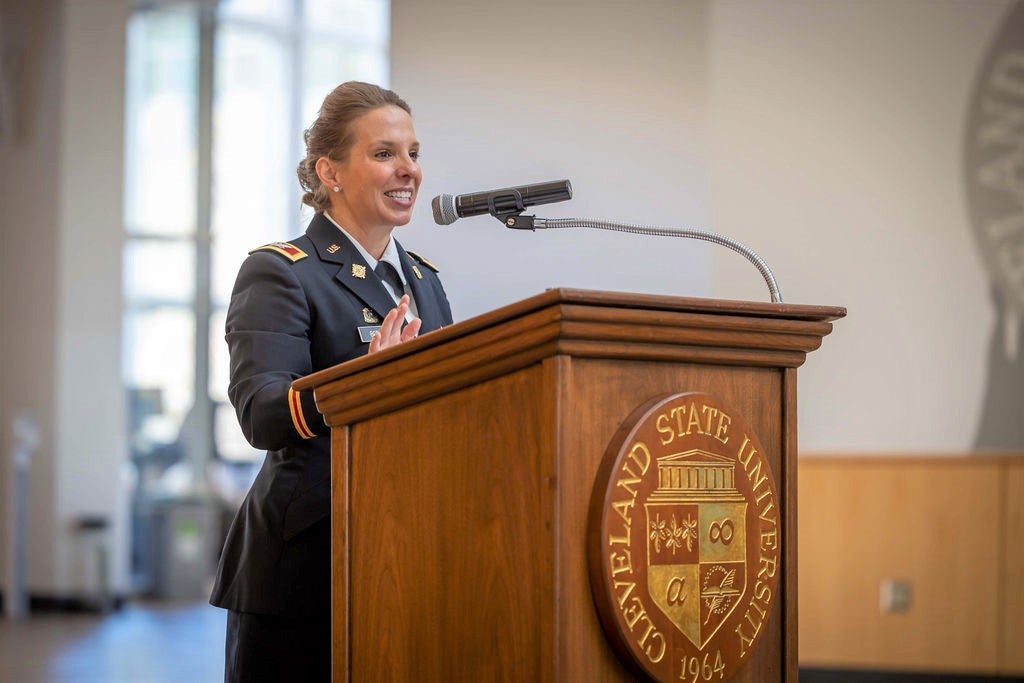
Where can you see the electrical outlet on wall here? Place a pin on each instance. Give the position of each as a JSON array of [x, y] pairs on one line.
[[894, 596]]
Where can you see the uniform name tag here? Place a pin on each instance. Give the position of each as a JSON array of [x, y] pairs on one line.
[[367, 332]]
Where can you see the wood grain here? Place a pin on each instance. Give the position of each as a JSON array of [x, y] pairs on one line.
[[789, 476], [452, 538], [340, 580], [581, 324], [949, 526], [1011, 656]]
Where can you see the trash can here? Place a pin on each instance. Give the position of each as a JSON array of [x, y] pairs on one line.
[[183, 562], [93, 531]]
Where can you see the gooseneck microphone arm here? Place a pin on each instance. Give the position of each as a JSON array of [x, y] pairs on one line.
[[507, 205], [518, 222]]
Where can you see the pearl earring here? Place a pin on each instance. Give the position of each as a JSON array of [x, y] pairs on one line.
[[336, 188]]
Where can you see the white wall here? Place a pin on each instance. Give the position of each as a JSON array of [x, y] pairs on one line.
[[61, 206], [826, 135], [91, 412], [28, 263], [608, 94], [837, 142]]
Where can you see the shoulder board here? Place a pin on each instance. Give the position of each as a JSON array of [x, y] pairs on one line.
[[422, 260], [289, 251]]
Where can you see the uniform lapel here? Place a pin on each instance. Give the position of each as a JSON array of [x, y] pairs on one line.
[[427, 306], [353, 273]]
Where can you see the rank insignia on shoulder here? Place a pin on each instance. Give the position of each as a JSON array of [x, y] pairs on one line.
[[422, 260], [359, 271], [416, 270], [369, 316], [289, 251]]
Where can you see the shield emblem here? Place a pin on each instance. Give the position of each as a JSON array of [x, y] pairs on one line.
[[696, 547]]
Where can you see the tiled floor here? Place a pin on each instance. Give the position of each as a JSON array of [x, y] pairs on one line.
[[150, 642], [183, 642]]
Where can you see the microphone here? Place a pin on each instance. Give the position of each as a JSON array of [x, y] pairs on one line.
[[499, 203]]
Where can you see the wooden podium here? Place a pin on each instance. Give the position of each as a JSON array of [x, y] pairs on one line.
[[464, 464]]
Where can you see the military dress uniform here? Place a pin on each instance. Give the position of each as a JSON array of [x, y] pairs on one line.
[[297, 307]]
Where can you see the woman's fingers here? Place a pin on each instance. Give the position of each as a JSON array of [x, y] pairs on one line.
[[411, 330], [391, 332], [375, 343], [382, 339]]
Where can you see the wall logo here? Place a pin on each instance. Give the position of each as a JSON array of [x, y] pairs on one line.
[[994, 158], [994, 184], [684, 540]]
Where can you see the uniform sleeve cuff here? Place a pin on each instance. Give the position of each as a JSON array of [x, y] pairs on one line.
[[306, 419]]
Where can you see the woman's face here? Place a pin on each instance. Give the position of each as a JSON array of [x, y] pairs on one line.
[[381, 175]]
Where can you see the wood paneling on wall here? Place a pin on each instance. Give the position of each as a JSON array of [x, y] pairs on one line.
[[950, 527], [1013, 569]]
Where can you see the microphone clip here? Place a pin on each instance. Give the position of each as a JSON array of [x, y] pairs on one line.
[[512, 206], [516, 221]]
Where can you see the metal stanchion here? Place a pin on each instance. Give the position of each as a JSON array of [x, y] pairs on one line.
[[25, 441]]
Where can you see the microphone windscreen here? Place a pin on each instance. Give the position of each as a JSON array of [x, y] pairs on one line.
[[444, 209]]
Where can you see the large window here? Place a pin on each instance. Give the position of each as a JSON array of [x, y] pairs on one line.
[[218, 94]]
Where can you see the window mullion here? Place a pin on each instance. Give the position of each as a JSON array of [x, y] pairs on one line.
[[298, 85], [200, 443]]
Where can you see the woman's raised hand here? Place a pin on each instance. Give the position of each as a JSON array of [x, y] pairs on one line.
[[391, 332]]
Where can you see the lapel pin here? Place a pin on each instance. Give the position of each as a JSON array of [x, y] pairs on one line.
[[369, 316], [333, 248], [359, 271]]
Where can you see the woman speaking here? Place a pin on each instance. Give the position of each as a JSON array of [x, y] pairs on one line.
[[344, 288]]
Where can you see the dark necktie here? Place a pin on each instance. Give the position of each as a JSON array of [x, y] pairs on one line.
[[386, 272]]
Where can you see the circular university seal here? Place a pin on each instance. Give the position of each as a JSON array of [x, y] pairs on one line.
[[684, 540], [994, 159]]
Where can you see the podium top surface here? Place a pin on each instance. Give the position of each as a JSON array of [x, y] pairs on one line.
[[764, 309], [609, 325]]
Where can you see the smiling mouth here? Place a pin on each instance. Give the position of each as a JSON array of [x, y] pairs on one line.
[[399, 194]]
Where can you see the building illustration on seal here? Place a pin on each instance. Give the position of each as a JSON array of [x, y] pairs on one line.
[[696, 542]]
